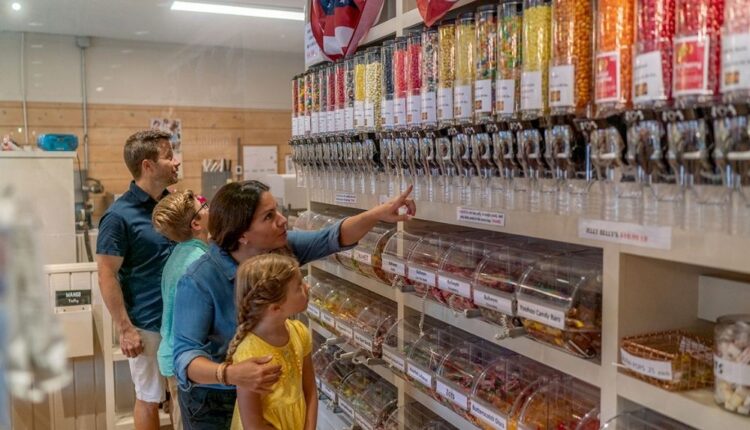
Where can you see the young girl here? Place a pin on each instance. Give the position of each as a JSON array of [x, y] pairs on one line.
[[269, 290]]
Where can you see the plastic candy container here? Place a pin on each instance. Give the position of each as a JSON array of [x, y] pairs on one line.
[[414, 81], [347, 311], [373, 407], [332, 377], [486, 63], [320, 221], [613, 69], [400, 82], [401, 338], [373, 90], [643, 419], [463, 89], [457, 268], [318, 293], [321, 359], [353, 386], [295, 111], [537, 28], [502, 389], [732, 363], [330, 307], [446, 72], [565, 404], [386, 105], [371, 326], [315, 100], [570, 82], [560, 303], [394, 259], [303, 220], [426, 355], [652, 73], [508, 85], [735, 71], [349, 95], [368, 253], [360, 90], [308, 102], [323, 96], [331, 98], [430, 65], [424, 263], [340, 96], [673, 360], [697, 51]]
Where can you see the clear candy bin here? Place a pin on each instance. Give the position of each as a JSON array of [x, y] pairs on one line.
[[375, 405], [457, 269], [353, 386], [401, 338], [565, 404], [428, 353], [732, 363], [424, 263], [367, 254], [394, 259], [371, 326], [559, 300]]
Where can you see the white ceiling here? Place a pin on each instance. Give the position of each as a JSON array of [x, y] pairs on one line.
[[153, 21]]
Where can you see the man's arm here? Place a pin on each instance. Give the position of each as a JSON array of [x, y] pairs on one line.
[[356, 227], [130, 340]]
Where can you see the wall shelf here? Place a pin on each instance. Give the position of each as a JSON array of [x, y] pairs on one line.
[[373, 285]]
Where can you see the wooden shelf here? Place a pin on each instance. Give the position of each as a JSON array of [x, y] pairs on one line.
[[695, 408], [370, 284]]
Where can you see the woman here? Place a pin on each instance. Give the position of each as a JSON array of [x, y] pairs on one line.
[[244, 222]]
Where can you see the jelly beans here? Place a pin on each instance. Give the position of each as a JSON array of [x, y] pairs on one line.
[[373, 90], [507, 86], [295, 99], [536, 52], [614, 66], [570, 75], [360, 70], [446, 57], [386, 106], [400, 82], [414, 80], [430, 66], [340, 95], [463, 97], [653, 51], [486, 63], [330, 98], [349, 95]]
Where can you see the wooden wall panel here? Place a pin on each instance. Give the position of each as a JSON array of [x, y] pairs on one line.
[[206, 133]]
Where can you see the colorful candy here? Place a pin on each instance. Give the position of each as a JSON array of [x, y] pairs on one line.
[[373, 90], [430, 65], [340, 96], [463, 97], [360, 71], [446, 76], [570, 74], [652, 76], [507, 86], [414, 80], [349, 95], [615, 35], [536, 53], [386, 106], [486, 63], [400, 82]]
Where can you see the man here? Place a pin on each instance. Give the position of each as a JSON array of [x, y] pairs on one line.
[[130, 258]]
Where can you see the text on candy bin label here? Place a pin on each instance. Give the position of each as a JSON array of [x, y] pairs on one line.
[[626, 233], [489, 417], [394, 360], [454, 286], [313, 310], [345, 199], [363, 340], [735, 62], [344, 329], [347, 253], [328, 391], [328, 318], [493, 301], [732, 372], [653, 368], [452, 394], [543, 314], [346, 407], [363, 257], [420, 375], [393, 266], [362, 421], [420, 275], [480, 217]]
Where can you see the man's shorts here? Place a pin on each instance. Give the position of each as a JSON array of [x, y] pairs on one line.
[[150, 385]]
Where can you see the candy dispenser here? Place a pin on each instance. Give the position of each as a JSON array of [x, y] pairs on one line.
[[446, 72], [559, 301], [526, 186], [732, 363], [401, 338], [485, 63], [607, 151], [323, 103], [308, 102], [426, 355], [564, 404], [424, 262], [570, 82], [354, 385], [731, 149], [400, 82], [373, 90], [503, 156], [444, 159], [387, 86], [615, 35], [331, 305], [503, 387], [414, 81], [315, 94], [466, 182], [652, 72], [295, 111], [674, 360], [370, 329], [332, 377], [369, 250], [349, 95], [394, 259], [457, 269], [643, 419], [537, 26], [459, 371], [430, 72], [360, 91], [465, 41], [318, 293], [331, 99], [565, 154], [346, 311], [339, 113], [487, 171], [322, 358], [373, 407], [508, 85]]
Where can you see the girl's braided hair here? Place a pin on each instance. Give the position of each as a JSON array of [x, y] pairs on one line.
[[261, 281]]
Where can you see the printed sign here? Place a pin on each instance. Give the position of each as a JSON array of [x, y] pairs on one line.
[[648, 81], [394, 360], [454, 286], [735, 62], [487, 416], [492, 301], [480, 217], [690, 65], [345, 199], [421, 275], [656, 369], [626, 233], [543, 314], [505, 92], [561, 84], [64, 298], [393, 266], [419, 375], [455, 396], [607, 77]]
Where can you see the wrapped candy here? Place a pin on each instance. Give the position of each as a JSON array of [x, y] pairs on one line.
[[732, 363]]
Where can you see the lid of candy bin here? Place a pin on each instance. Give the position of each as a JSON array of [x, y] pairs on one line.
[[353, 386], [430, 350], [376, 403], [320, 221], [502, 387], [428, 252], [404, 334], [462, 365], [303, 220], [373, 242], [397, 251], [499, 271], [461, 259], [333, 375], [322, 358], [373, 322], [560, 281], [565, 403], [643, 419]]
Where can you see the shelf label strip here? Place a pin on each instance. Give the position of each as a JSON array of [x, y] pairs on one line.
[[626, 233], [543, 314], [487, 416], [394, 360], [420, 375], [477, 216], [654, 368], [494, 302], [345, 199], [455, 396], [454, 286]]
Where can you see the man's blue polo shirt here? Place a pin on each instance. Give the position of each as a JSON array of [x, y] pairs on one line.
[[126, 231]]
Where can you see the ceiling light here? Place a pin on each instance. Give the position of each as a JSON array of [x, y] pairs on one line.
[[238, 10], [35, 24], [141, 32], [16, 6], [99, 89]]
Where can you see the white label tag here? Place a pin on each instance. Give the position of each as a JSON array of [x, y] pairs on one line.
[[315, 123], [369, 114], [656, 369], [331, 121], [346, 407], [429, 107], [348, 253], [445, 104], [648, 81], [386, 112], [420, 375], [308, 124], [339, 116], [393, 359], [349, 118], [393, 266], [413, 109], [691, 69], [362, 421], [505, 96], [483, 96], [323, 122], [626, 233], [561, 84], [455, 396], [493, 301], [543, 314], [531, 90], [399, 112], [455, 286], [359, 114], [344, 329], [313, 310], [732, 372], [328, 391], [294, 126], [345, 198], [328, 318], [363, 257], [463, 101], [488, 417], [363, 339], [735, 62], [421, 275], [480, 217]]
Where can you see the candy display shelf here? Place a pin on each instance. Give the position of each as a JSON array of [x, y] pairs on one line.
[[339, 271]]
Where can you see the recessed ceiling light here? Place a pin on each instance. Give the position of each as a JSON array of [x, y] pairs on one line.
[[16, 6], [35, 24], [141, 33], [238, 10], [99, 89], [37, 46], [20, 130]]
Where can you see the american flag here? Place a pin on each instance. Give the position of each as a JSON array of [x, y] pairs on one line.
[[339, 25], [433, 10]]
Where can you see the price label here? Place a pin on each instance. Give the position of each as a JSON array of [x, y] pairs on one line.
[[543, 314], [487, 416], [295, 131], [399, 112], [369, 114], [349, 118], [690, 65], [561, 84], [735, 62], [429, 107], [359, 114], [450, 393], [454, 286], [328, 391], [363, 257], [344, 329], [392, 266], [394, 360], [308, 124], [492, 301], [531, 90], [364, 423], [607, 88], [348, 253], [313, 310], [315, 123], [423, 377], [421, 275], [328, 319], [463, 101], [323, 122], [331, 126], [445, 104], [483, 96], [505, 96], [345, 198], [626, 233], [413, 110], [731, 371], [340, 119], [656, 369], [346, 407], [363, 340], [386, 112], [648, 81]]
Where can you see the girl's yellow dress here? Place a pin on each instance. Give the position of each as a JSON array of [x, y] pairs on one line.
[[284, 408]]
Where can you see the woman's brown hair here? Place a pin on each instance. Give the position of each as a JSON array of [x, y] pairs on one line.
[[232, 210], [261, 281]]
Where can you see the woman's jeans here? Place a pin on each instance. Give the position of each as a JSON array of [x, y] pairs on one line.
[[207, 408]]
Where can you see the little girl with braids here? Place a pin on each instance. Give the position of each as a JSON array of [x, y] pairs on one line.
[[269, 290]]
